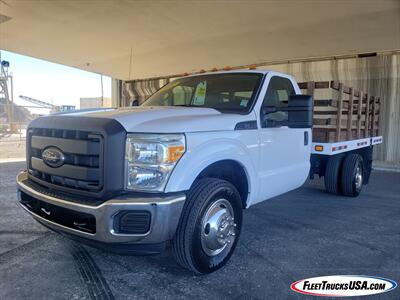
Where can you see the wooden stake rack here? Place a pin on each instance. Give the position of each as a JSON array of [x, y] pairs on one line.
[[341, 113]]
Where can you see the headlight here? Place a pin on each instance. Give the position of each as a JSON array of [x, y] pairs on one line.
[[150, 159]]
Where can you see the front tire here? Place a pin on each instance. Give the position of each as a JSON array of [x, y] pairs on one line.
[[209, 227]]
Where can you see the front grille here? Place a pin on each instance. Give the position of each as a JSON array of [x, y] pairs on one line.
[[83, 164], [59, 215]]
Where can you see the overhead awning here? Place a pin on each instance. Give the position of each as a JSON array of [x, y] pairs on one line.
[[141, 39]]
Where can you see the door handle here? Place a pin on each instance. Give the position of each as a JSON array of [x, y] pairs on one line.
[[305, 138]]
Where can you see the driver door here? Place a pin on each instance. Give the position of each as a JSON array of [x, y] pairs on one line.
[[284, 151]]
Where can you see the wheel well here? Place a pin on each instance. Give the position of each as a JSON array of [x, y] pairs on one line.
[[230, 171]]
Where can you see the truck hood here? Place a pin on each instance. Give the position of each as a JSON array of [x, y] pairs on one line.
[[167, 119]]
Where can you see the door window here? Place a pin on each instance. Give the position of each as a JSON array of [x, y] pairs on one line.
[[278, 92]]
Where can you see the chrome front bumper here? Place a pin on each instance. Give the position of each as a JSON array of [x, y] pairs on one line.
[[165, 213]]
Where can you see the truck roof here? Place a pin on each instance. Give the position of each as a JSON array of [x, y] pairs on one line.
[[259, 71]]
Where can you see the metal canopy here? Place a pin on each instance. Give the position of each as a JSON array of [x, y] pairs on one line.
[[140, 39]]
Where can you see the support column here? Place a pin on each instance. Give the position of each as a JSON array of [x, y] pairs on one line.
[[116, 92]]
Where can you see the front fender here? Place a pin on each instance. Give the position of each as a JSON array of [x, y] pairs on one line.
[[206, 149]]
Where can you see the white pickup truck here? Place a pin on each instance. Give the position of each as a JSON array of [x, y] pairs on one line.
[[181, 167]]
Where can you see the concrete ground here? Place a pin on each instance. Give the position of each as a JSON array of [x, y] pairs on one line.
[[304, 233]]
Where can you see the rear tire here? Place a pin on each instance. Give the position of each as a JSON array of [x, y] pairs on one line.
[[332, 171], [209, 226], [352, 175]]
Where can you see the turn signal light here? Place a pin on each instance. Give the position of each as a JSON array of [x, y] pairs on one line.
[[319, 148], [174, 153]]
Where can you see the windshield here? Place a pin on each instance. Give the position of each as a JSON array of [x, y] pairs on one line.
[[225, 92]]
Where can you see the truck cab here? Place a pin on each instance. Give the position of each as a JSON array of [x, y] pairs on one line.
[[179, 168]]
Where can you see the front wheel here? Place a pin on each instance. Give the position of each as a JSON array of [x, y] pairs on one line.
[[209, 226]]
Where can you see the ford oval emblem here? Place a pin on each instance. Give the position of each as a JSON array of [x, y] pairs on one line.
[[53, 157]]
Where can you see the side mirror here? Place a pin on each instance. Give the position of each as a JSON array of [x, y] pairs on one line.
[[270, 122], [300, 111], [268, 110]]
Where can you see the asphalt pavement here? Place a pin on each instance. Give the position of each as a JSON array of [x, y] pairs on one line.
[[301, 234]]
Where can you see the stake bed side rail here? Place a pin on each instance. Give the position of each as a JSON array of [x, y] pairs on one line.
[[344, 146]]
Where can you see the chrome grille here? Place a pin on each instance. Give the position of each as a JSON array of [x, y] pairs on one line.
[[83, 151]]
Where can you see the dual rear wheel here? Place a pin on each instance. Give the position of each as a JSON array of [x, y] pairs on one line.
[[344, 174]]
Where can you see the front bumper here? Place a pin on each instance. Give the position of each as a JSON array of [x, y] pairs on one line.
[[165, 213]]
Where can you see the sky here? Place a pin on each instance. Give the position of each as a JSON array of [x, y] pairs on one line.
[[53, 83]]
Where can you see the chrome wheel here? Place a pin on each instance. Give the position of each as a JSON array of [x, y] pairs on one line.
[[358, 177], [217, 227]]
